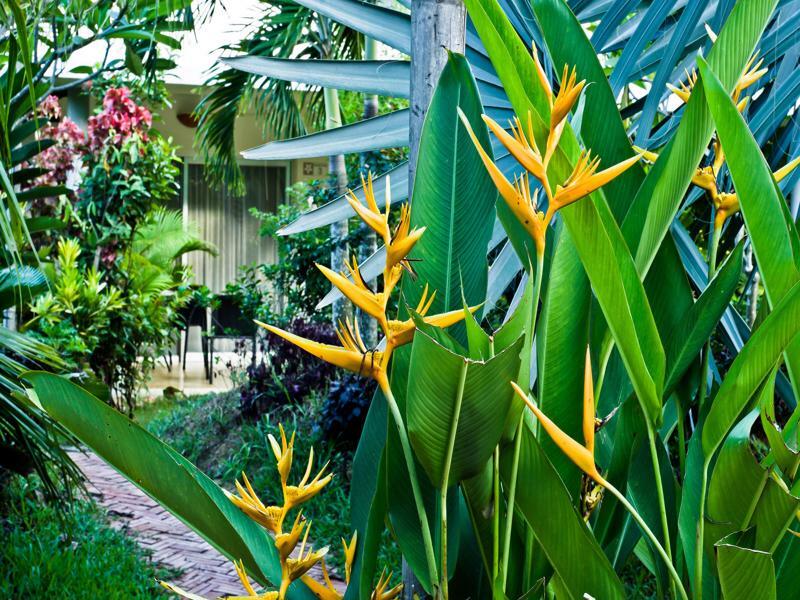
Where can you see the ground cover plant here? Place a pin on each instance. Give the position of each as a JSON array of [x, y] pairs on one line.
[[597, 423], [64, 554]]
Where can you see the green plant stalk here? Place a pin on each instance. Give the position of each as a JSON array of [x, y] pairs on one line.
[[448, 461], [754, 501], [512, 488], [512, 496], [698, 551], [526, 569], [430, 555], [712, 269], [496, 517], [662, 506], [676, 579], [681, 444]]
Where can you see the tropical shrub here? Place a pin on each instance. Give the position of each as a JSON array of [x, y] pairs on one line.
[[344, 410], [595, 424], [98, 320], [285, 374]]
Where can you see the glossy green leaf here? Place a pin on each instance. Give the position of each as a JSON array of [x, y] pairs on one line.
[[164, 474], [368, 503], [698, 323], [770, 227], [453, 196], [446, 390], [745, 574]]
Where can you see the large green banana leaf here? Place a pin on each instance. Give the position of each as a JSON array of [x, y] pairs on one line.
[[459, 404], [163, 474]]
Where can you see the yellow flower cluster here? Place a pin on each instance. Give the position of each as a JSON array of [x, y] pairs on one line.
[[297, 557], [725, 204], [353, 353], [521, 143]]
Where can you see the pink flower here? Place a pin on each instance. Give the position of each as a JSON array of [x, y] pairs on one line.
[[120, 118]]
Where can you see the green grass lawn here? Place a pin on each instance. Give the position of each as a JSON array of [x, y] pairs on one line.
[[70, 556]]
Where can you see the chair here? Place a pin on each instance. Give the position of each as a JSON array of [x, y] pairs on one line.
[[194, 315], [228, 323]]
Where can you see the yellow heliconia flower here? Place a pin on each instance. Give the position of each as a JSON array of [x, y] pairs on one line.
[[541, 75], [402, 241], [356, 290], [287, 542], [293, 568], [686, 88], [581, 455], [269, 517], [326, 591], [349, 555], [352, 355], [240, 571], [726, 205], [560, 107], [371, 214], [381, 593], [517, 196], [584, 179], [402, 332], [752, 73], [295, 495], [704, 177], [522, 146]]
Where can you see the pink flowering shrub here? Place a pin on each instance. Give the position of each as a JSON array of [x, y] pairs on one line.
[[60, 159], [120, 118]]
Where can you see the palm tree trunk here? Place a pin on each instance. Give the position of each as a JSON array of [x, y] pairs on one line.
[[436, 26], [336, 167]]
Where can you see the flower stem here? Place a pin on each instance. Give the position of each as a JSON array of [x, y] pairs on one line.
[[646, 530], [662, 506], [430, 555], [698, 551], [448, 461], [712, 270], [512, 493], [512, 487]]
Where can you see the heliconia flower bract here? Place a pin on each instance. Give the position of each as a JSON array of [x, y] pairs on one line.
[[580, 454]]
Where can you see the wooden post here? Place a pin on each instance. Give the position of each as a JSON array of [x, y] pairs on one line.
[[436, 26]]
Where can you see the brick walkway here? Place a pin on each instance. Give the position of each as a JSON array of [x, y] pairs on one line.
[[203, 570]]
